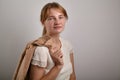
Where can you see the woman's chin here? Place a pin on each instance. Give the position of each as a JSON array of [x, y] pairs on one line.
[[59, 31]]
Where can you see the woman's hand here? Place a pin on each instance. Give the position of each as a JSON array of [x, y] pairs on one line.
[[57, 57]]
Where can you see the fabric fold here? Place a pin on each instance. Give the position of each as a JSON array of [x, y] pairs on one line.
[[21, 72]]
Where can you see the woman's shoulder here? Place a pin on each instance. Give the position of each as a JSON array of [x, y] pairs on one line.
[[66, 42], [41, 48], [38, 43]]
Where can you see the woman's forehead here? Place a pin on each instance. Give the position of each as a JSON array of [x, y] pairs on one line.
[[54, 10]]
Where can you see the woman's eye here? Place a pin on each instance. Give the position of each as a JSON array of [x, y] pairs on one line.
[[61, 17], [50, 18], [53, 18]]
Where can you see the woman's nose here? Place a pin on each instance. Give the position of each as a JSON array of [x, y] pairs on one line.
[[57, 21]]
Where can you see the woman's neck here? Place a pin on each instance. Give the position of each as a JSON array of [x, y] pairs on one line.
[[55, 38]]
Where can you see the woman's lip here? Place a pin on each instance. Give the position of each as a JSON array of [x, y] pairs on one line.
[[58, 27]]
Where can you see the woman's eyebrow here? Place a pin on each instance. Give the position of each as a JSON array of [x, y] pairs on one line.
[[58, 15]]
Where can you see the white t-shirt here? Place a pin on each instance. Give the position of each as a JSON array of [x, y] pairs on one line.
[[42, 58]]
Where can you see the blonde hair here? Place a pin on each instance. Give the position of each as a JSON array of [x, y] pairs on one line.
[[45, 12]]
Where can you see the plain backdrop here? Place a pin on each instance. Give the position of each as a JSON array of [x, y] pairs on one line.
[[93, 28]]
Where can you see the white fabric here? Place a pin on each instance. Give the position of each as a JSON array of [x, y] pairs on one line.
[[42, 58]]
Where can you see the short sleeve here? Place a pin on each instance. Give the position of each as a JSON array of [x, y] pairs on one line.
[[70, 47], [40, 57]]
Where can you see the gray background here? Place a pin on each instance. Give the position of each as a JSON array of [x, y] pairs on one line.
[[93, 28]]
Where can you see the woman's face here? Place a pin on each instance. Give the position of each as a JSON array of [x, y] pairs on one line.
[[55, 22]]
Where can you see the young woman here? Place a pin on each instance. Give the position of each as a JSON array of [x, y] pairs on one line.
[[50, 57], [56, 63]]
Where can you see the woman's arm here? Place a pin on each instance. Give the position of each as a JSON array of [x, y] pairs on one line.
[[72, 76], [38, 73]]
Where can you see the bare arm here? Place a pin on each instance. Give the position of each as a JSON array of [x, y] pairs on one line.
[[72, 76], [38, 73]]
